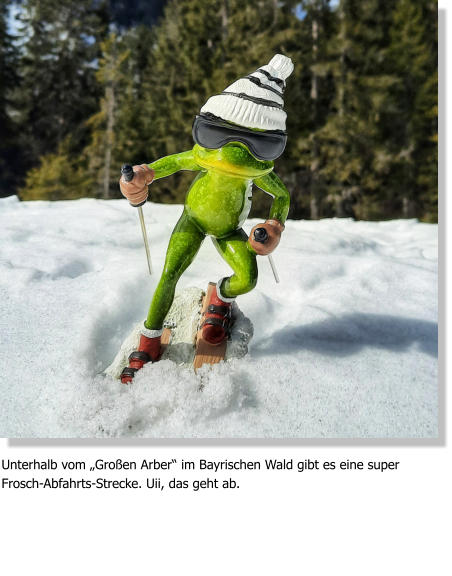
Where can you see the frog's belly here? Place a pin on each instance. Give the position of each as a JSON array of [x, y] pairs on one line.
[[219, 208]]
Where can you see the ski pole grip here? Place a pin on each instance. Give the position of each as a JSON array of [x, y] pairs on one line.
[[261, 235], [127, 172]]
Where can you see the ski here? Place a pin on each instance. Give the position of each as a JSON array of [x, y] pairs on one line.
[[182, 342], [166, 339], [206, 353]]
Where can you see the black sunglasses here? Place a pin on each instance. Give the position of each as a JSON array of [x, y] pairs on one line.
[[212, 132]]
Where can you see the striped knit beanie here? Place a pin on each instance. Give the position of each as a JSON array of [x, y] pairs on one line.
[[255, 101]]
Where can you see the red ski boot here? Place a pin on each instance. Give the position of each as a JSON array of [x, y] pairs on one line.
[[148, 351], [217, 319]]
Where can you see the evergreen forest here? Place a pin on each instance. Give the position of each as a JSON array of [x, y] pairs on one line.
[[86, 86]]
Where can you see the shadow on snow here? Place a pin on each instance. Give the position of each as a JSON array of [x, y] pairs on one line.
[[348, 334]]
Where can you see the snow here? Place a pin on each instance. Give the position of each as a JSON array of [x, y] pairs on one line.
[[344, 347]]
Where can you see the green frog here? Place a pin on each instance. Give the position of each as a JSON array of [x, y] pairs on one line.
[[238, 135]]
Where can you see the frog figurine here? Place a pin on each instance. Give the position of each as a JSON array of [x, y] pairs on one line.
[[238, 134]]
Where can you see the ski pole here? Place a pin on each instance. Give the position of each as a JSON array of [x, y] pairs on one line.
[[273, 266], [127, 174], [260, 235]]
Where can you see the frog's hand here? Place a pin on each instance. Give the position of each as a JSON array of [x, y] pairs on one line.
[[265, 237], [134, 182]]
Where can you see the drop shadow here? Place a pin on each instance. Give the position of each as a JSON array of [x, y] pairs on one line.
[[349, 334]]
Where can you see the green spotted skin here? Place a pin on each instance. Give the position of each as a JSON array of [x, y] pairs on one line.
[[217, 204]]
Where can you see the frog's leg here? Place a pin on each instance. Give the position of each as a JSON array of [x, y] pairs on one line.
[[183, 246], [237, 253]]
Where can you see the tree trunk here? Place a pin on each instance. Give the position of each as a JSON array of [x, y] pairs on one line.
[[408, 207], [342, 64], [275, 12], [110, 109], [224, 20], [314, 167], [224, 29]]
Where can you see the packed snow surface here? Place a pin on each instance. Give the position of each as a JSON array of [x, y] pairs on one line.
[[344, 347]]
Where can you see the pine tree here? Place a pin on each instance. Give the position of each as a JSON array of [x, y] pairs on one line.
[[134, 119], [9, 147], [361, 103], [409, 123], [315, 92], [104, 129], [59, 176], [348, 142], [59, 45], [126, 14]]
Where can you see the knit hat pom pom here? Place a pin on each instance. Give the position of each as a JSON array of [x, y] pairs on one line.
[[282, 64]]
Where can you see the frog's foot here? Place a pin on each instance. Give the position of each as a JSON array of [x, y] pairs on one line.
[[217, 319], [148, 351]]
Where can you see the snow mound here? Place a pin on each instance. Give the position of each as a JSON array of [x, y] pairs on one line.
[[183, 320]]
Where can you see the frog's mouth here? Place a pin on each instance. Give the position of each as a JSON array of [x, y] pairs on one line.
[[233, 159], [213, 133]]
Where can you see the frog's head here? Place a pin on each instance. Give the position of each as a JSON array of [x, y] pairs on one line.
[[234, 149], [246, 124]]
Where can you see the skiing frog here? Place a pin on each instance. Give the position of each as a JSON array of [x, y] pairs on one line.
[[238, 134]]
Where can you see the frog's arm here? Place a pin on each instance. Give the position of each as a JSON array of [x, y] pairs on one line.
[[173, 163], [273, 185]]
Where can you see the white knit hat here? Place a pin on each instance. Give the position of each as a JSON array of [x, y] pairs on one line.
[[255, 101]]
